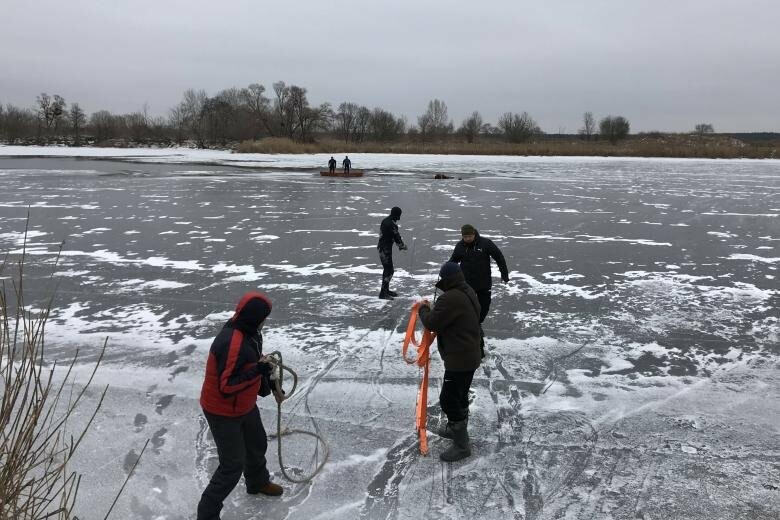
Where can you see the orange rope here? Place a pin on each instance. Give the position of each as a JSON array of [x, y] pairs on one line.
[[423, 360]]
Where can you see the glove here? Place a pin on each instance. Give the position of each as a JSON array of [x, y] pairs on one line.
[[265, 378], [402, 247]]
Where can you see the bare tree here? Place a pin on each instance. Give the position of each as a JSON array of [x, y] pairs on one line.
[[614, 128], [588, 129], [298, 118], [283, 110], [178, 122], [472, 126], [435, 122], [103, 125], [259, 108], [518, 128], [384, 126], [703, 128], [18, 122], [192, 110], [217, 113], [44, 109], [57, 111], [77, 119], [362, 124], [344, 120]]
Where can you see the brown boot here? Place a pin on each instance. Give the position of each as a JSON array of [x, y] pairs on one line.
[[270, 489]]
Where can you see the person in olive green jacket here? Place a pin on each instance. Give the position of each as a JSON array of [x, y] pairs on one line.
[[455, 319]]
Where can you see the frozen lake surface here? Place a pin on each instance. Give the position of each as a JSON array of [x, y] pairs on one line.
[[632, 367]]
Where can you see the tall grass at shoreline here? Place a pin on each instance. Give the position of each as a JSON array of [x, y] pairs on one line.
[[665, 145]]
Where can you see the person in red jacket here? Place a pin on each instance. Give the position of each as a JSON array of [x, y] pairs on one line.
[[236, 372]]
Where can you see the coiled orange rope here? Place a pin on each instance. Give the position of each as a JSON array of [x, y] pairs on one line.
[[422, 360]]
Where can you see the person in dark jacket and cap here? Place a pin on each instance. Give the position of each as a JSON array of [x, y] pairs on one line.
[[455, 320], [236, 373], [388, 234], [473, 253]]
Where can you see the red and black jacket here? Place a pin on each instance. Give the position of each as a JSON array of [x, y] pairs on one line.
[[232, 375]]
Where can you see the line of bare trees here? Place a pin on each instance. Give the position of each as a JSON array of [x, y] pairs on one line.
[[250, 113]]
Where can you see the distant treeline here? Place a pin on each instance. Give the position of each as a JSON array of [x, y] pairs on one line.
[[251, 118]]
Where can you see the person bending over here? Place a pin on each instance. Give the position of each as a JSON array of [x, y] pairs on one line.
[[236, 373], [455, 320]]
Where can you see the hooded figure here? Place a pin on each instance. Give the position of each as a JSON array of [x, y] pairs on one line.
[[455, 319], [473, 253], [332, 164], [236, 372], [388, 234]]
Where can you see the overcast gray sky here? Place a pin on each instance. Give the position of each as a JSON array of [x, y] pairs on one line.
[[663, 64]]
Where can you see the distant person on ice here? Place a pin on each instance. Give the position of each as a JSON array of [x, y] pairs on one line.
[[388, 234], [236, 373], [332, 165], [473, 253], [347, 164], [455, 320]]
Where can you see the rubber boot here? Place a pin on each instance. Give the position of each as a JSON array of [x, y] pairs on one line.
[[461, 447], [384, 293], [392, 293], [444, 430]]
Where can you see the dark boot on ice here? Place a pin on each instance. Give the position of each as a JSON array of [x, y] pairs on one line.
[[444, 430], [392, 293], [270, 489], [384, 293], [461, 447]]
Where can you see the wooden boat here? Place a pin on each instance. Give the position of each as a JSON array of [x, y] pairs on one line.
[[340, 173]]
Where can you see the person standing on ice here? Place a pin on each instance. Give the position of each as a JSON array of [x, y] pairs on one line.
[[347, 164], [388, 234], [332, 165], [236, 373], [455, 320], [473, 253]]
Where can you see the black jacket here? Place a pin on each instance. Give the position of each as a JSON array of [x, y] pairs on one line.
[[388, 233], [474, 260], [455, 319]]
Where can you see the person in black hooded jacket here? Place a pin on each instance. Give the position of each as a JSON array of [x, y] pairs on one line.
[[236, 372], [473, 253], [388, 234]]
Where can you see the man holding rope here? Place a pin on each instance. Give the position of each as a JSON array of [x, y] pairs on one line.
[[455, 320], [236, 373]]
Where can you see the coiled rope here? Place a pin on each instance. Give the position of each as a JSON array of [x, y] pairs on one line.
[[275, 358]]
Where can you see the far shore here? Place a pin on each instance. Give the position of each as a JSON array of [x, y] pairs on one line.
[[663, 146], [681, 146]]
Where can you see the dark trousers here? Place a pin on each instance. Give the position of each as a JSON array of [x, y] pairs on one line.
[[346, 168], [454, 396], [386, 257], [484, 303], [332, 169], [241, 445]]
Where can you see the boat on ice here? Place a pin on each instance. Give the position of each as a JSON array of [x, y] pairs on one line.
[[342, 173]]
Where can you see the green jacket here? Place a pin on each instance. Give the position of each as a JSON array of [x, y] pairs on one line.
[[455, 319]]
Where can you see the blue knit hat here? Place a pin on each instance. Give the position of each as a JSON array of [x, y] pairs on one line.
[[448, 269]]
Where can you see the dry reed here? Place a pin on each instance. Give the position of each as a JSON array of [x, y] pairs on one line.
[[37, 408]]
